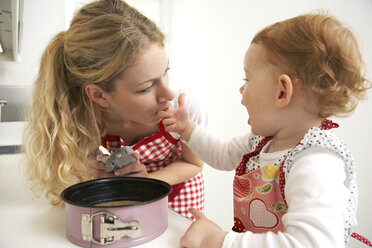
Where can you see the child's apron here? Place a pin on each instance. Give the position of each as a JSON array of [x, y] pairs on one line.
[[259, 201]]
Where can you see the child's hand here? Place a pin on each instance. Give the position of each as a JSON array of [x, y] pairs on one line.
[[202, 233], [177, 120]]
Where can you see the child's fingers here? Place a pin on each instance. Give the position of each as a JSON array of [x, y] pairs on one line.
[[170, 128], [196, 213], [168, 122], [163, 114], [181, 100]]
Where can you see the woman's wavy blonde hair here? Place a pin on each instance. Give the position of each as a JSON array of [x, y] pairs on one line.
[[323, 54], [104, 39]]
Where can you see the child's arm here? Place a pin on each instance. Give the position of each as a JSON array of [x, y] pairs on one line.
[[317, 196], [219, 154]]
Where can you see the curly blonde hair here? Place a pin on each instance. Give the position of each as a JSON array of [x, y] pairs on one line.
[[323, 54], [104, 39]]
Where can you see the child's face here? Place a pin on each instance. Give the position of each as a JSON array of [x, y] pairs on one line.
[[143, 89], [258, 91]]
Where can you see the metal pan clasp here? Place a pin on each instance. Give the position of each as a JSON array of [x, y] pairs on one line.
[[111, 228]]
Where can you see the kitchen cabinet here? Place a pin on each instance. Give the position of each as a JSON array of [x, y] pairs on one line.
[[29, 222], [11, 24]]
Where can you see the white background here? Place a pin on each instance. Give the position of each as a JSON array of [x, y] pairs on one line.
[[206, 42]]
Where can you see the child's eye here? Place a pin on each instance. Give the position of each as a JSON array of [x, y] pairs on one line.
[[245, 80], [166, 71]]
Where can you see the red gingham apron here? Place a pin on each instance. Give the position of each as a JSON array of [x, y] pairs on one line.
[[156, 152]]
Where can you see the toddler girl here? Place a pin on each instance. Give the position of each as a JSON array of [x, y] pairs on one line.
[[295, 182]]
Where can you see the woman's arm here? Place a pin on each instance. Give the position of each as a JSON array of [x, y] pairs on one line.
[[181, 170]]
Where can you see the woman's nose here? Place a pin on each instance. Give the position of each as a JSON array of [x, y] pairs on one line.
[[166, 94]]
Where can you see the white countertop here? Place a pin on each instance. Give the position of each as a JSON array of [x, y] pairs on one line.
[[28, 222]]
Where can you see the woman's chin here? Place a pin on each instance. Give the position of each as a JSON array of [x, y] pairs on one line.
[[154, 120]]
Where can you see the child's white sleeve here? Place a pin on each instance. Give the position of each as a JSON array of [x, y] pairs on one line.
[[317, 201], [215, 152]]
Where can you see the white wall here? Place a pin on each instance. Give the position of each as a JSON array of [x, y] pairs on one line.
[[208, 41]]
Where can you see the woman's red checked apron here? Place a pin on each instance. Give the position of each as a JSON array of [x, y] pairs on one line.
[[156, 152]]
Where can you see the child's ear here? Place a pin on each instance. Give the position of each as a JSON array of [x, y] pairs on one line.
[[96, 94], [284, 91]]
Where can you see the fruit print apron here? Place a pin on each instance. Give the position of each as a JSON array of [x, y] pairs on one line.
[[259, 201], [156, 152]]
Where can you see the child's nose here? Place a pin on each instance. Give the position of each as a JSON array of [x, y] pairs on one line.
[[241, 89]]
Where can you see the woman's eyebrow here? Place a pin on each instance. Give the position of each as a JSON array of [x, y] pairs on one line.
[[152, 79]]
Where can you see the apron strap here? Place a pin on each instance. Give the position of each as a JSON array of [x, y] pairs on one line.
[[176, 189], [361, 239], [326, 125], [240, 170], [282, 180]]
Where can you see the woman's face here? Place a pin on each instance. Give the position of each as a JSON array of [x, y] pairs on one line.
[[142, 90]]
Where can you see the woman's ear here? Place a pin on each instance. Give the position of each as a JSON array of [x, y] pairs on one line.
[[284, 91], [96, 94]]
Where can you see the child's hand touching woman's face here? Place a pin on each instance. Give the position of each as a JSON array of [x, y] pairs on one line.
[[177, 120]]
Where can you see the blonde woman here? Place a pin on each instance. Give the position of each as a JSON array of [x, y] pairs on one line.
[[102, 82]]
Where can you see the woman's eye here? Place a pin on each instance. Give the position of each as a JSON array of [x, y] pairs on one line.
[[146, 90], [245, 80]]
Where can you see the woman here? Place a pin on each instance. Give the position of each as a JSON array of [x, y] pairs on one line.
[[102, 82]]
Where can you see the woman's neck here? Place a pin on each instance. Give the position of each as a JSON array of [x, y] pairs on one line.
[[131, 132]]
